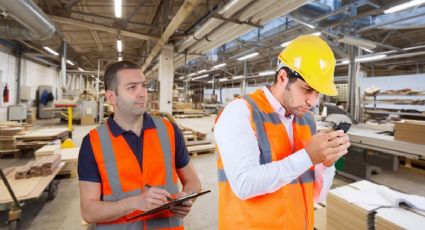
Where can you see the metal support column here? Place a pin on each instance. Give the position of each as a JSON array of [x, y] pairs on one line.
[[166, 78], [245, 72], [352, 82]]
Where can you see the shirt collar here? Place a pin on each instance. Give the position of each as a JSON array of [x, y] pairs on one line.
[[117, 130], [278, 108]]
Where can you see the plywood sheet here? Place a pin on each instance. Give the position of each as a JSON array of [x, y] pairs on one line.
[[25, 189]]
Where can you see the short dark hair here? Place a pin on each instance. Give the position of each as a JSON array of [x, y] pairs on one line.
[[110, 77], [291, 76]]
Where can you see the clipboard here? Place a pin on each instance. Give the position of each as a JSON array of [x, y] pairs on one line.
[[171, 203]]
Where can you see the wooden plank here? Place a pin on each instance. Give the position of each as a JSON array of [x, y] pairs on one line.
[[25, 189], [44, 134], [22, 172], [47, 150]]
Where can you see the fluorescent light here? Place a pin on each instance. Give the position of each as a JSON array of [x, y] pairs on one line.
[[248, 56], [223, 79], [267, 73], [119, 58], [367, 50], [237, 77], [118, 8], [219, 65], [370, 58], [201, 71], [119, 45], [285, 44], [211, 81], [360, 42], [80, 69], [92, 76], [364, 58], [199, 77], [317, 34], [182, 77], [192, 74], [403, 6], [70, 62], [51, 51]]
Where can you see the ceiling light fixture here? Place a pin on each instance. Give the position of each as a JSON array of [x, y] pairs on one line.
[[50, 50], [403, 6], [237, 77], [118, 8], [119, 45], [219, 65], [182, 77], [267, 73], [200, 77], [81, 69], [70, 62], [248, 56], [223, 79]]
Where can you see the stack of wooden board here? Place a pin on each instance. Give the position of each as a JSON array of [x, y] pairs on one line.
[[399, 219], [197, 147], [7, 139], [42, 167], [70, 158], [46, 150], [410, 131], [365, 205], [47, 134], [38, 138], [341, 211]]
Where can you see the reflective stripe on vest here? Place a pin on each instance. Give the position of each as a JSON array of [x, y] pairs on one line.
[[171, 187], [116, 186]]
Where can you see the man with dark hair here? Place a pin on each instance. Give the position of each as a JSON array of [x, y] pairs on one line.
[[272, 164], [132, 163]]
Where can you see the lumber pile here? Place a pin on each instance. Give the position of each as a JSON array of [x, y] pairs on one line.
[[197, 147], [398, 219], [8, 131], [365, 205], [23, 172], [41, 167], [70, 157], [38, 138], [410, 131], [46, 150]]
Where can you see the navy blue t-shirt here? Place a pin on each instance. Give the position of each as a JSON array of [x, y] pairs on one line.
[[87, 166]]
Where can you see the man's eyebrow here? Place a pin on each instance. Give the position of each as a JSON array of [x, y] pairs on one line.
[[136, 82]]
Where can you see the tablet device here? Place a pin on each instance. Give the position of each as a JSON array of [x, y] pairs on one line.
[[171, 203]]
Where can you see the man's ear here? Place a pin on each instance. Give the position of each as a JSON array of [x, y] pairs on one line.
[[110, 96], [282, 77]]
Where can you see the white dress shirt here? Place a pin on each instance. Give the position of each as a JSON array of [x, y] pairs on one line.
[[240, 154]]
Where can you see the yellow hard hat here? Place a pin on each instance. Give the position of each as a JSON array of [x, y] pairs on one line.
[[314, 60]]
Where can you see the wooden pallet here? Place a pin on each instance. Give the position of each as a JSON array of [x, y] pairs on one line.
[[10, 152], [201, 149], [416, 166]]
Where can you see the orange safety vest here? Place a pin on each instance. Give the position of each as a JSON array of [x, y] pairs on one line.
[[122, 176], [290, 207]]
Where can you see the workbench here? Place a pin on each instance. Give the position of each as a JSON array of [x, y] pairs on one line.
[[373, 139]]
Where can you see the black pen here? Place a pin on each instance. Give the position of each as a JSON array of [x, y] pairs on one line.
[[168, 198]]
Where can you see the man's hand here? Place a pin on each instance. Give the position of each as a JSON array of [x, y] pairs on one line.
[[181, 210], [327, 147], [150, 198]]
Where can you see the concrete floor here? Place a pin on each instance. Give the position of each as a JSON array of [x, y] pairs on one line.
[[64, 212]]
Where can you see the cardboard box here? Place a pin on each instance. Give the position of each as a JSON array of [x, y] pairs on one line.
[[87, 120], [410, 131]]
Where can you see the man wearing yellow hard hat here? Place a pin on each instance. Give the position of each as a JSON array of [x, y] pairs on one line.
[[272, 165]]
